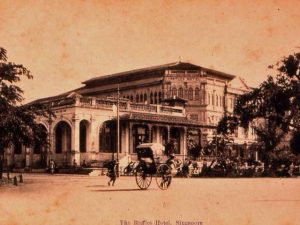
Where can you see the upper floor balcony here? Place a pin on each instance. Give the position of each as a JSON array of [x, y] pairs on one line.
[[111, 103]]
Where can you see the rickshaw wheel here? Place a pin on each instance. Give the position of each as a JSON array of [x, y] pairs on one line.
[[163, 176], [143, 180]]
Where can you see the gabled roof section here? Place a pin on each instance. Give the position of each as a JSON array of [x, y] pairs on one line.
[[173, 66], [239, 83]]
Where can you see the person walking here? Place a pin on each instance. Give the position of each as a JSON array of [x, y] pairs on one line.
[[112, 171]]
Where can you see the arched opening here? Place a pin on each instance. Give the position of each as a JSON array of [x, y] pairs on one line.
[[197, 93], [83, 134], [141, 98], [155, 98], [174, 91], [108, 137], [151, 98], [180, 92], [190, 94], [62, 137], [145, 98]]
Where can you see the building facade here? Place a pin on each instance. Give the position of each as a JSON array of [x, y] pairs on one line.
[[178, 101]]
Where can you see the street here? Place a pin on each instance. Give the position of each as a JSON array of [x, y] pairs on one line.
[[73, 199]]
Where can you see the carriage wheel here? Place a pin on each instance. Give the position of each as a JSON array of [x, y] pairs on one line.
[[164, 176], [142, 179]]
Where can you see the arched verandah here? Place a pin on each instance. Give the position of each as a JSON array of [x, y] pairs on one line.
[[84, 132], [63, 137]]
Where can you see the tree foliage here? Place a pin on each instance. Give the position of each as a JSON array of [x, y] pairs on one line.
[[18, 121], [272, 109]]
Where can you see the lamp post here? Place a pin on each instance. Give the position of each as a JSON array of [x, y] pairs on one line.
[[118, 123], [118, 128]]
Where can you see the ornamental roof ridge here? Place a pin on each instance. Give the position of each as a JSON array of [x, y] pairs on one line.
[[132, 71], [178, 64]]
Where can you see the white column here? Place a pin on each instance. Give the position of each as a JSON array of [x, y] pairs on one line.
[[75, 153], [126, 142], [184, 142]]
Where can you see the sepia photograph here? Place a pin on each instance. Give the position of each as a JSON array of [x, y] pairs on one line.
[[136, 112]]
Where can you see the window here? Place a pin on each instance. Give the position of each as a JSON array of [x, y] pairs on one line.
[[180, 92], [141, 98], [217, 98], [186, 93], [190, 94], [155, 98], [174, 91], [151, 98], [197, 90]]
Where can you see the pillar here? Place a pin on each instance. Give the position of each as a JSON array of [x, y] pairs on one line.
[[184, 142], [28, 157], [168, 133], [127, 139], [130, 146], [75, 152], [150, 132]]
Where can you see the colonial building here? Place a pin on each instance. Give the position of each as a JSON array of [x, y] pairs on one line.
[[179, 101]]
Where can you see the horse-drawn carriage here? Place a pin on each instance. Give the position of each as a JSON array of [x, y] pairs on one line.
[[149, 165]]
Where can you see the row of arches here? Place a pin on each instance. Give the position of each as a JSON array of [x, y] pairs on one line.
[[153, 98], [141, 133], [63, 136], [189, 93]]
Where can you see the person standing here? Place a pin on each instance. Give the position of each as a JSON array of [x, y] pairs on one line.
[[52, 166]]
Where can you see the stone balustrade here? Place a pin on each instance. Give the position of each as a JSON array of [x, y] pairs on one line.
[[125, 105]]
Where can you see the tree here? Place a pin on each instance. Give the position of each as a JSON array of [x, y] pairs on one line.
[[17, 121], [272, 109]]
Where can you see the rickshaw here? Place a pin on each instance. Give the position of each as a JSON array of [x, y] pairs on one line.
[[149, 166]]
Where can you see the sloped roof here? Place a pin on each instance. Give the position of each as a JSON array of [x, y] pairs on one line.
[[136, 116], [239, 83], [173, 65]]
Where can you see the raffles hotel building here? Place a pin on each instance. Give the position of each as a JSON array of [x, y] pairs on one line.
[[178, 100]]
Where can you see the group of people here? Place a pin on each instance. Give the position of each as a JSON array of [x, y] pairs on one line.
[[232, 167]]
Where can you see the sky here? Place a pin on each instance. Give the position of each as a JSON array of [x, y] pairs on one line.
[[64, 43]]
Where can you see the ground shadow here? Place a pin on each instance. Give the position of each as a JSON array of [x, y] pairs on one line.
[[97, 185], [120, 190]]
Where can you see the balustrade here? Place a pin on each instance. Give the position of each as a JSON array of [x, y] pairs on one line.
[[104, 103]]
